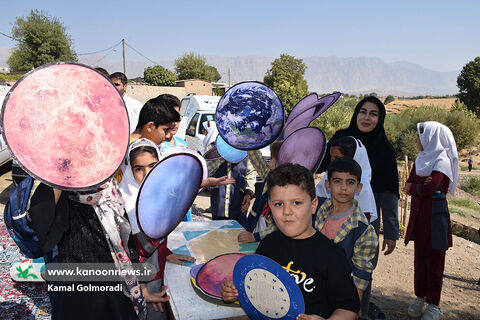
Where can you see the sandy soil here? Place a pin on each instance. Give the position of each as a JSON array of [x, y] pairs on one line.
[[398, 106]]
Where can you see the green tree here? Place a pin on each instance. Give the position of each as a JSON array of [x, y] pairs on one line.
[[159, 76], [286, 77], [194, 66], [389, 99], [469, 84], [41, 39]]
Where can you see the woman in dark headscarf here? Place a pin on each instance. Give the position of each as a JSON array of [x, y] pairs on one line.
[[367, 125]]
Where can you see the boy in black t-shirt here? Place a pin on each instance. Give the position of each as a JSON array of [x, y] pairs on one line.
[[319, 267]]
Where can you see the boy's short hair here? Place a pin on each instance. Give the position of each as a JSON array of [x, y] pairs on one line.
[[158, 111], [170, 99], [347, 146], [345, 165], [289, 173], [120, 76]]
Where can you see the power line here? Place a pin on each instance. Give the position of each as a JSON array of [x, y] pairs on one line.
[[141, 54], [100, 51], [104, 56], [6, 35]]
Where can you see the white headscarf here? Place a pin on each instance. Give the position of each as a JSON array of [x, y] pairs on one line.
[[365, 198], [129, 186], [439, 152]]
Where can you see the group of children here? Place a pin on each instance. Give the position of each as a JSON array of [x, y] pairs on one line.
[[324, 232]]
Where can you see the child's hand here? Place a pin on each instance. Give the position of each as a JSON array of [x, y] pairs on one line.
[[245, 237], [157, 298], [427, 181], [246, 202], [179, 258], [229, 292], [215, 182], [309, 317]]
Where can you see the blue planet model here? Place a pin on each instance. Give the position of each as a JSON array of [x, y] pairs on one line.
[[250, 116]]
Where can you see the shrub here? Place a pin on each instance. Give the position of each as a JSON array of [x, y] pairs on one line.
[[401, 129], [389, 99], [472, 186]]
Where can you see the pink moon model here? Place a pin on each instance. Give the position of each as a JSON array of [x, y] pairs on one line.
[[67, 125]]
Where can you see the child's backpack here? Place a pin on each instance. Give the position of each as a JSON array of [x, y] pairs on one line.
[[17, 221]]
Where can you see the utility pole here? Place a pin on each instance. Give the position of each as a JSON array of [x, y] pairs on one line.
[[229, 78], [123, 46]]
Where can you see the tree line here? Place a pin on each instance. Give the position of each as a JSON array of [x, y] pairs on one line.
[[42, 39]]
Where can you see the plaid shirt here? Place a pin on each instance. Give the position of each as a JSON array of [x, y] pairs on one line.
[[365, 246], [250, 179]]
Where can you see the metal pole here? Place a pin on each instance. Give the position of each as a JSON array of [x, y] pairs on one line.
[[123, 46]]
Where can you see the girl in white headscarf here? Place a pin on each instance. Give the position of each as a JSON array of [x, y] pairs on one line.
[[434, 174], [351, 147], [141, 157]]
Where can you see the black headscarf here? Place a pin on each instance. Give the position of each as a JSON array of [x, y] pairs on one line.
[[380, 151]]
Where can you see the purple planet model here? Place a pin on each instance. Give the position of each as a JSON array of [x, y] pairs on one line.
[[307, 110], [210, 277], [67, 126], [305, 146]]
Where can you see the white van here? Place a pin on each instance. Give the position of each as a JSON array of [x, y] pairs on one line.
[[195, 110]]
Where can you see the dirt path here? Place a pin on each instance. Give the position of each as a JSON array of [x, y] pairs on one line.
[[393, 281]]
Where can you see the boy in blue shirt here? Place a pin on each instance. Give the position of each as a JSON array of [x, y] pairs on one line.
[[327, 287]]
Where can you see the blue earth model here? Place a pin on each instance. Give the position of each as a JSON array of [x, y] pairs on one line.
[[250, 116]]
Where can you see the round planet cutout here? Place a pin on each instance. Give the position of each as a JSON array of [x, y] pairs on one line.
[[250, 116], [210, 276], [164, 198], [66, 125], [229, 153]]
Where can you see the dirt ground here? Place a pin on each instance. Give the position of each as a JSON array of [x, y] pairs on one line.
[[393, 278], [398, 106]]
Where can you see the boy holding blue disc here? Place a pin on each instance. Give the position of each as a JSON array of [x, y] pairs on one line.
[[318, 266]]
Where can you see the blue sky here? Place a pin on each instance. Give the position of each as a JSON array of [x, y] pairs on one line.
[[439, 35]]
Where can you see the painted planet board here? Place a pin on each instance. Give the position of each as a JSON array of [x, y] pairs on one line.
[[67, 126], [306, 146], [266, 290], [307, 110], [212, 274], [250, 116], [164, 198], [228, 152]]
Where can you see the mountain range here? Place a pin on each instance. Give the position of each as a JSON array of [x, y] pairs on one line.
[[323, 74]]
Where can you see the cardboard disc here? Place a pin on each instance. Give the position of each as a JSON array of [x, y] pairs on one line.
[[307, 110], [164, 198], [306, 146], [66, 125], [250, 116], [266, 290], [211, 275]]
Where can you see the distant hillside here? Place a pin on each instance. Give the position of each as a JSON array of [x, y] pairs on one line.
[[349, 75], [323, 74]]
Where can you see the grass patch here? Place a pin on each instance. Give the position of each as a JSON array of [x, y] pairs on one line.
[[472, 186], [464, 202], [463, 207]]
